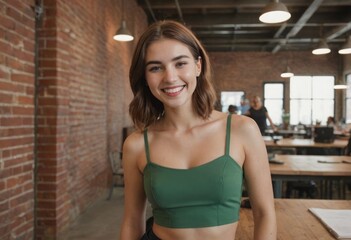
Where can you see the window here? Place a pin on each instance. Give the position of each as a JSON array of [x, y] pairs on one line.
[[348, 98], [231, 98], [273, 101], [311, 99]]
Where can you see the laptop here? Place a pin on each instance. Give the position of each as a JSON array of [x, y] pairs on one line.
[[324, 134]]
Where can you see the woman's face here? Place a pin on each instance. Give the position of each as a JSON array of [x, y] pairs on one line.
[[171, 72]]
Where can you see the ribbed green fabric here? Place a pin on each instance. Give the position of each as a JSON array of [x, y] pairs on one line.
[[203, 196]]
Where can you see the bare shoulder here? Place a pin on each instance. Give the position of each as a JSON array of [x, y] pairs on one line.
[[243, 124], [133, 146]]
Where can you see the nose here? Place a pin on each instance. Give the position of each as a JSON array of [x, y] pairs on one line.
[[170, 74]]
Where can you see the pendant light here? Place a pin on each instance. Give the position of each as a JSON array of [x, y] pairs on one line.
[[322, 48], [340, 86], [340, 80], [346, 48], [123, 34], [287, 73], [275, 12]]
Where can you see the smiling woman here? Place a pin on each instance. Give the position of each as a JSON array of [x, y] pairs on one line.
[[171, 71], [186, 158], [145, 104]]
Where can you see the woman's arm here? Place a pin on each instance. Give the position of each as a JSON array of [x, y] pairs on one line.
[[259, 183], [133, 223]]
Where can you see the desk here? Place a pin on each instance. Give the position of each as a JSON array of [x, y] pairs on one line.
[[289, 142], [305, 143], [307, 167], [293, 219], [286, 132]]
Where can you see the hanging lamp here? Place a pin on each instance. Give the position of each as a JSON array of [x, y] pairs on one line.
[[346, 48], [275, 12], [123, 34], [287, 73], [322, 48], [340, 86]]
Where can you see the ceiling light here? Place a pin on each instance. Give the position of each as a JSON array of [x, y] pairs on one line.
[[287, 73], [123, 34], [346, 48], [340, 86], [275, 12], [322, 48]]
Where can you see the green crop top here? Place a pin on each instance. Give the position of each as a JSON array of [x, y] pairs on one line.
[[203, 196]]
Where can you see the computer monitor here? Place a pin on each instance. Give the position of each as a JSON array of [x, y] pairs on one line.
[[324, 134]]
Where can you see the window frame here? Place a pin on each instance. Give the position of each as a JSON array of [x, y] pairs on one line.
[[224, 108], [283, 97], [312, 99]]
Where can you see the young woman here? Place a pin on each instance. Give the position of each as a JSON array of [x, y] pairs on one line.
[[187, 159]]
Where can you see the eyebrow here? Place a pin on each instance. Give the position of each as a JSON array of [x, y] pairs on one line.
[[173, 59]]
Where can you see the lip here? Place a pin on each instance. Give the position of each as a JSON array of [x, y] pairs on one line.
[[173, 91]]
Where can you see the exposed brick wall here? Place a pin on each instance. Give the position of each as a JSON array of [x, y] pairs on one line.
[[83, 106], [247, 71], [16, 119]]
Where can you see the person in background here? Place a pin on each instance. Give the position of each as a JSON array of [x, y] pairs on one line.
[[233, 109], [186, 158], [331, 121], [259, 113], [244, 105]]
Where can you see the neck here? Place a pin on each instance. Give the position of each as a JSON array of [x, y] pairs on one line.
[[180, 119]]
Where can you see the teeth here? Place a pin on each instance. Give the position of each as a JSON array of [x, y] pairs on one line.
[[173, 90]]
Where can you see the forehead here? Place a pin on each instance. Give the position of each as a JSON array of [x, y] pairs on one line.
[[166, 49]]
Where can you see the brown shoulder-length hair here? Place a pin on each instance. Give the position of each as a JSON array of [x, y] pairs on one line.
[[145, 108]]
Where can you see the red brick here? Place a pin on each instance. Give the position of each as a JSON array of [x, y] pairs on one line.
[[11, 87], [25, 100], [22, 110], [22, 78], [6, 98]]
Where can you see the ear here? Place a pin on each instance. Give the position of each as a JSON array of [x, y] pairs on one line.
[[198, 66]]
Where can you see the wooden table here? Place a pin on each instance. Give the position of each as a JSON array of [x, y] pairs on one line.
[[303, 144], [308, 167], [297, 142], [293, 219], [286, 132]]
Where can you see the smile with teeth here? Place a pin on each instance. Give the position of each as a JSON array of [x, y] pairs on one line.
[[173, 90]]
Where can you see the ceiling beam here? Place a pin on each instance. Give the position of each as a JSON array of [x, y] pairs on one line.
[[179, 10], [338, 31], [300, 23]]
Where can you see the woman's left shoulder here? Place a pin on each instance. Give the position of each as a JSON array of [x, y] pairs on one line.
[[241, 120], [243, 124]]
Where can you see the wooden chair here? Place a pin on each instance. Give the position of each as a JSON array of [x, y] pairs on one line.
[[115, 158], [117, 171]]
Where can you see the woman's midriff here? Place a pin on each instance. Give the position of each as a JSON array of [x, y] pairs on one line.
[[223, 232]]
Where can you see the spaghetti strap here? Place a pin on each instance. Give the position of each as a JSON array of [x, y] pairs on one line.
[[146, 142], [227, 136]]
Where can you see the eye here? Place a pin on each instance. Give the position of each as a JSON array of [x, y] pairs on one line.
[[181, 64], [154, 69]]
